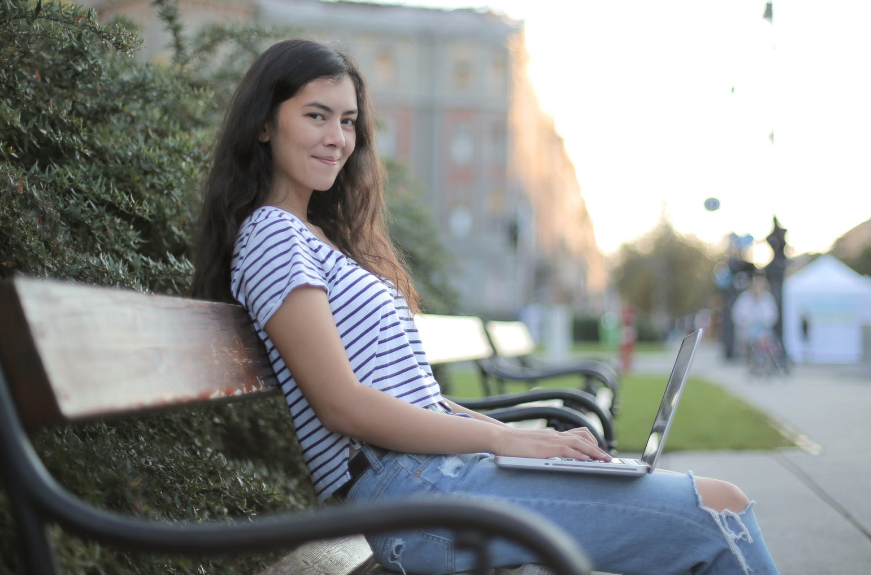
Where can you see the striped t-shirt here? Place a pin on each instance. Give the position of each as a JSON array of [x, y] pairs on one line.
[[276, 253]]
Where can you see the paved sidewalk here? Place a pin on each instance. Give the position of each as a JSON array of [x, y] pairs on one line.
[[813, 503]]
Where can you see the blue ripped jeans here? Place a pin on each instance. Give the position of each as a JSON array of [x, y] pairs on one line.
[[650, 525]]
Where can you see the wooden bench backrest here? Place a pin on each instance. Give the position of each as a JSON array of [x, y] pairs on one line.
[[450, 338], [74, 352], [511, 338]]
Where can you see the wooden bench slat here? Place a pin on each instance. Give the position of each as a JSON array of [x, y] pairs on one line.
[[511, 338], [449, 339], [109, 351], [343, 556]]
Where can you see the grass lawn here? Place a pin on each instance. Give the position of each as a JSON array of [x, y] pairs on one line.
[[594, 348], [709, 418]]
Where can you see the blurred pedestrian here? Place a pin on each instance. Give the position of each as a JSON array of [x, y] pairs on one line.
[[754, 315], [628, 337]]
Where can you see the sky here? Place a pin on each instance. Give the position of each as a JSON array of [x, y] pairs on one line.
[[664, 104]]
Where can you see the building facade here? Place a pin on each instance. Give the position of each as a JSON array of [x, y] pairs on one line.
[[454, 102]]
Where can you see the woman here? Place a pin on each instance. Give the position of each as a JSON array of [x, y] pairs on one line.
[[293, 229]]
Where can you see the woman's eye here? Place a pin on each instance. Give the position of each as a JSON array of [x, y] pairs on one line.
[[349, 122], [316, 116]]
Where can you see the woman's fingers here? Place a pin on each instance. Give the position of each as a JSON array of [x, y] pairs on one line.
[[579, 447], [591, 445], [576, 443], [583, 432]]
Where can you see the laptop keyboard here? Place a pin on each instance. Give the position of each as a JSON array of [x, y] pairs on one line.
[[617, 460], [620, 461]]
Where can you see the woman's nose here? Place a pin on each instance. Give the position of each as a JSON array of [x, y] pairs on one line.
[[335, 136]]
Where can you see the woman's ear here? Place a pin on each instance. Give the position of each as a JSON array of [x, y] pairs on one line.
[[264, 134]]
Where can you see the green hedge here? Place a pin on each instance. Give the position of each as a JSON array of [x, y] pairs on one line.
[[211, 464], [100, 163], [585, 329], [99, 157]]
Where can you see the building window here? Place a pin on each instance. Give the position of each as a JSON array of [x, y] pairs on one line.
[[460, 221], [386, 136], [462, 75], [497, 74], [385, 69], [498, 147], [462, 148]]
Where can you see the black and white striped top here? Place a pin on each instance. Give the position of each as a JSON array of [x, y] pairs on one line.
[[276, 253]]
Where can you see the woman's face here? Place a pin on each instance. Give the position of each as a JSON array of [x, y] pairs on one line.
[[313, 135]]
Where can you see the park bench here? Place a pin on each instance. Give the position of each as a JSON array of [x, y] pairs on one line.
[[72, 353], [514, 359], [454, 339]]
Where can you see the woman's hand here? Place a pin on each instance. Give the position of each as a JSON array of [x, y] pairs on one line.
[[576, 443]]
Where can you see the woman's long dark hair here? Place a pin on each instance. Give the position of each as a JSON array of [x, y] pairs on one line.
[[351, 212]]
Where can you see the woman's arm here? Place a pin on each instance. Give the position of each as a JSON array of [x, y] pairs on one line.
[[304, 332]]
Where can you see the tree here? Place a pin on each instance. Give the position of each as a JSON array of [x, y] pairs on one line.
[[664, 274], [413, 230]]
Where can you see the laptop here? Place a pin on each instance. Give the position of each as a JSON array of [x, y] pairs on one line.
[[655, 443]]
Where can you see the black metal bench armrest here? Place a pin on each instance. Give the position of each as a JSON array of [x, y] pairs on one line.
[[36, 498], [288, 531], [501, 370], [603, 372], [574, 399], [561, 418]]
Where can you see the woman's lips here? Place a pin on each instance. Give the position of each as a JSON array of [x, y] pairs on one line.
[[328, 160]]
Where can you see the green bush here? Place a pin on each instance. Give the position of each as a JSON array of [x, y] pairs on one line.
[[100, 163], [99, 158], [585, 329], [645, 330], [210, 464]]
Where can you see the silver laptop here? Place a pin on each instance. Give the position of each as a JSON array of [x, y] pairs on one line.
[[655, 443]]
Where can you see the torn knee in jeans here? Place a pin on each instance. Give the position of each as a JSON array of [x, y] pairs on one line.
[[720, 495], [395, 551], [730, 525]]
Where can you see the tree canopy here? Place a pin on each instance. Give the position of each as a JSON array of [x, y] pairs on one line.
[[665, 274]]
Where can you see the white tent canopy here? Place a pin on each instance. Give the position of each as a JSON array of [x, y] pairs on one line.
[[825, 305]]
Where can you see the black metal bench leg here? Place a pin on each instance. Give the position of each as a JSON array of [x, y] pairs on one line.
[[485, 382], [477, 543], [38, 553], [37, 550]]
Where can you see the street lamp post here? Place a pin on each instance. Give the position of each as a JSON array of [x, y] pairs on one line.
[[775, 271]]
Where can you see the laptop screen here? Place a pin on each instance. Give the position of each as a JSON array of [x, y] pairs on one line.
[[670, 398]]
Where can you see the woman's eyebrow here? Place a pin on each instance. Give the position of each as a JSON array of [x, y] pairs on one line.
[[327, 109]]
